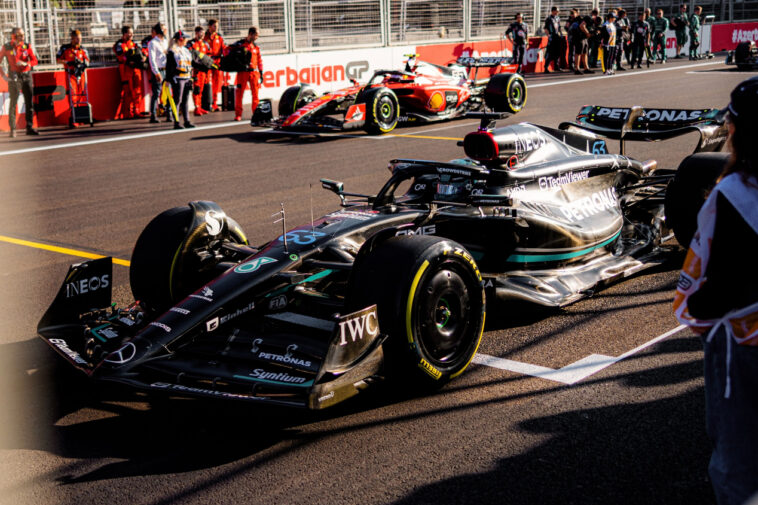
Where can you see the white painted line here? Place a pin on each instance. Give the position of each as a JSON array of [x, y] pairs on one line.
[[628, 73], [120, 138], [569, 374]]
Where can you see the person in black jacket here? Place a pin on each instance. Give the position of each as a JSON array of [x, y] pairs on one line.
[[518, 32], [555, 40]]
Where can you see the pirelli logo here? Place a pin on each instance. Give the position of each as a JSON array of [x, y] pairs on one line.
[[429, 369]]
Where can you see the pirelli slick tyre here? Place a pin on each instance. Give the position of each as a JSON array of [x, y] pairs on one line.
[[295, 97], [382, 110], [160, 274], [505, 93], [687, 192], [430, 301]]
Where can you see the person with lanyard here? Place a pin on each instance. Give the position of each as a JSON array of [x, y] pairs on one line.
[[681, 23], [253, 75], [659, 25], [573, 15], [517, 32], [716, 296], [157, 49], [695, 33], [554, 32], [216, 43], [608, 33], [640, 40], [623, 37], [75, 60], [130, 59], [21, 61], [179, 74], [200, 77]]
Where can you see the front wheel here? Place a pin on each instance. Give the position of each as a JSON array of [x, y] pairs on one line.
[[430, 302], [382, 110]]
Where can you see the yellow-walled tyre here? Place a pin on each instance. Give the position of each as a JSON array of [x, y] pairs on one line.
[[382, 110], [505, 93]]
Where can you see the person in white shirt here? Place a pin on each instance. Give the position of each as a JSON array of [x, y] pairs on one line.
[[179, 73], [156, 50]]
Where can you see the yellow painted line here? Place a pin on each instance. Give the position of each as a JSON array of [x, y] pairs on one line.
[[411, 136], [61, 250]]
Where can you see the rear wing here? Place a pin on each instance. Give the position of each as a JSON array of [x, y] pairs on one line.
[[484, 61], [652, 125]]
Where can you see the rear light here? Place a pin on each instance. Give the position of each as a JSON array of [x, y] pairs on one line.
[[481, 146]]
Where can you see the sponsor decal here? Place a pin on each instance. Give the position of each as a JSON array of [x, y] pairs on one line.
[[595, 203], [429, 369], [126, 321], [326, 397], [436, 101], [188, 389], [314, 74], [107, 332], [253, 265], [547, 183], [421, 230], [356, 112], [214, 222], [529, 142], [207, 294], [684, 283], [256, 343], [286, 358], [514, 190], [613, 113], [673, 115], [278, 302], [123, 355], [84, 286], [453, 171], [162, 326], [419, 187], [62, 346], [358, 324], [276, 377], [213, 324], [302, 237], [353, 214], [179, 310], [487, 284], [468, 258]]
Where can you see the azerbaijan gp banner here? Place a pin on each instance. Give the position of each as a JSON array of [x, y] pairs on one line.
[[727, 36]]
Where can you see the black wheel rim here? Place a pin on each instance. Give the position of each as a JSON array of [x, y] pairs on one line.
[[443, 318], [385, 112]]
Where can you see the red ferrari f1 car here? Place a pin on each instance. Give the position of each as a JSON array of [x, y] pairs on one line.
[[421, 93]]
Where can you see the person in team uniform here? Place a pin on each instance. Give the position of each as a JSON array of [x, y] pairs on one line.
[[179, 74], [75, 60], [681, 23], [21, 61], [695, 33], [623, 39], [130, 61], [608, 33], [658, 26], [573, 15], [640, 39], [216, 43], [594, 40], [199, 49], [555, 47], [253, 76], [518, 32]]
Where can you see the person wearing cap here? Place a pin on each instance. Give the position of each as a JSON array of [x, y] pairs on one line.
[[130, 64], [517, 32], [200, 48], [658, 27], [608, 33], [75, 60], [717, 297], [253, 74], [179, 72], [21, 59], [157, 49], [555, 47]]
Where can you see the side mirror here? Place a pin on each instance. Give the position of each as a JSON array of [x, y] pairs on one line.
[[335, 187]]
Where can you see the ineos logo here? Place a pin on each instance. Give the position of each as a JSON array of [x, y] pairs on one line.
[[84, 286]]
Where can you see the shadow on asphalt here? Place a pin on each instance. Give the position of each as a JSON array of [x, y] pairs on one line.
[[260, 137]]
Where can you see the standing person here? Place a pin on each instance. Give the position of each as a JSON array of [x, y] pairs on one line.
[[254, 73], [179, 73], [216, 43], [623, 39], [640, 40], [199, 48], [21, 61], [659, 25], [593, 42], [609, 42], [554, 32], [695, 33], [681, 23], [75, 60], [573, 16], [648, 17], [130, 59], [579, 37], [716, 295], [518, 32], [157, 49]]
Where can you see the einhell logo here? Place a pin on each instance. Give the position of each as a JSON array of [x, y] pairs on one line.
[[315, 74]]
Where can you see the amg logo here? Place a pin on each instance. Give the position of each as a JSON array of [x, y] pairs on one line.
[[421, 230], [84, 286], [359, 324]]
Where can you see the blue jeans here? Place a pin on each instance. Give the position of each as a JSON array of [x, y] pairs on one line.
[[732, 423]]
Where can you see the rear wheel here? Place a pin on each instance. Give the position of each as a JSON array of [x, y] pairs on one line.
[[382, 110], [687, 192], [432, 308], [295, 97], [505, 93]]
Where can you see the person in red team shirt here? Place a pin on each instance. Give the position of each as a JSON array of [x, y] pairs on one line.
[[253, 74], [129, 56], [21, 60], [75, 60], [216, 43], [200, 47]]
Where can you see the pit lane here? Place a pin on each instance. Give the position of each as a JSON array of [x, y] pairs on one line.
[[632, 432]]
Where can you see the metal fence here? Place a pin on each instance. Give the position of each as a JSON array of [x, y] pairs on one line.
[[287, 26]]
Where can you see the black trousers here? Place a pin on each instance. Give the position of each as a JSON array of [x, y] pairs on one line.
[[182, 90], [21, 82], [554, 51], [518, 55]]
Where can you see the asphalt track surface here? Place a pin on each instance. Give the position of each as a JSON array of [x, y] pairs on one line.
[[617, 431]]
